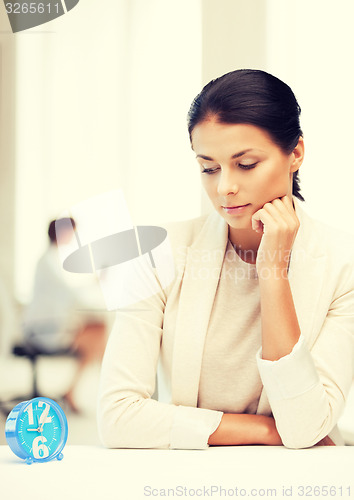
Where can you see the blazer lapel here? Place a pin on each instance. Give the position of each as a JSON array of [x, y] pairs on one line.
[[199, 284]]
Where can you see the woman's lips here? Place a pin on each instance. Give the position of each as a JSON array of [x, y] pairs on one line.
[[236, 209]]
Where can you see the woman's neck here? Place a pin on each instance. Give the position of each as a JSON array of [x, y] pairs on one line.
[[246, 243]]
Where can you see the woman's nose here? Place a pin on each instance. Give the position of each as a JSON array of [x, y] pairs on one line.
[[227, 184]]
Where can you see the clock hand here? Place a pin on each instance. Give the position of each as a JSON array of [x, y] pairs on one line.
[[39, 426], [33, 430]]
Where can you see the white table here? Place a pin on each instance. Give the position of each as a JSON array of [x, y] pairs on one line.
[[89, 472]]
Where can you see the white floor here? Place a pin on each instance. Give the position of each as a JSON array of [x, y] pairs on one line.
[[54, 375]]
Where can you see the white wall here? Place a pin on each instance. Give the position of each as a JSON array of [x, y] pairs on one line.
[[7, 153], [310, 46], [102, 98], [233, 37]]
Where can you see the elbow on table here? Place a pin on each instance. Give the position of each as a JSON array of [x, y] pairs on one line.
[[129, 424], [117, 435], [109, 433], [106, 441], [298, 441], [116, 429], [297, 432], [124, 436], [112, 441], [111, 423]]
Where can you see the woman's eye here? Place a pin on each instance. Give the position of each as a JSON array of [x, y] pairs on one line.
[[247, 166], [209, 170], [241, 165]]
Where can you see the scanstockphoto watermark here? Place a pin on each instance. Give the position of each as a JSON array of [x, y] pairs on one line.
[[218, 491], [209, 491]]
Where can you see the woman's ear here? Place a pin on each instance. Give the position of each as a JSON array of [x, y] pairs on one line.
[[297, 155]]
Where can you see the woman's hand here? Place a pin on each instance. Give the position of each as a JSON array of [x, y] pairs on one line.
[[245, 429], [326, 441], [279, 224]]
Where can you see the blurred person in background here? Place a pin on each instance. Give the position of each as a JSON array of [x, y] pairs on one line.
[[53, 321]]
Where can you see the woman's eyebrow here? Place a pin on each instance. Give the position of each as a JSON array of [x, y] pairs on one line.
[[236, 155]]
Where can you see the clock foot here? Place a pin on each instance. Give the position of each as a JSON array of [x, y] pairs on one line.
[[60, 456], [29, 460]]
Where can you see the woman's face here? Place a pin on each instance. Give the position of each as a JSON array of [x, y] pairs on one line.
[[242, 168]]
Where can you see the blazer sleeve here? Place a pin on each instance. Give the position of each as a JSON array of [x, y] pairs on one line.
[[128, 417], [308, 388]]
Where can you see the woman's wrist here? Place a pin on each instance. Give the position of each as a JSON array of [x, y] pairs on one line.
[[270, 275], [272, 437], [245, 429]]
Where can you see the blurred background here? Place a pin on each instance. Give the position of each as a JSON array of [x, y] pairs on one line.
[[97, 100]]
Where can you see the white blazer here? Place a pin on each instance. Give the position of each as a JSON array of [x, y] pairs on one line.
[[305, 391]]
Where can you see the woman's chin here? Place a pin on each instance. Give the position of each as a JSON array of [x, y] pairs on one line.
[[238, 221]]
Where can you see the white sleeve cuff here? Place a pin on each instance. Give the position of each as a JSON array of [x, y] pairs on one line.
[[289, 376], [192, 427]]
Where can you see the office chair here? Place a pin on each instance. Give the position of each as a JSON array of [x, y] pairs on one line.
[[32, 354]]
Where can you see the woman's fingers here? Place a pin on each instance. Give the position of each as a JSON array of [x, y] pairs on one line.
[[270, 218], [279, 224], [326, 441], [279, 214]]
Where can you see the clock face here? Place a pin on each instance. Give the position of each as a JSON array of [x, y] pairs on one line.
[[40, 429]]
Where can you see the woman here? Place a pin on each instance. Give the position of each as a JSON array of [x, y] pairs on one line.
[[52, 323], [254, 337]]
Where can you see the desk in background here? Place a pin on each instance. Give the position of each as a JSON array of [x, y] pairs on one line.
[[89, 472]]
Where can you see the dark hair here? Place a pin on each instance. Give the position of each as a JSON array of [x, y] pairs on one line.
[[51, 229], [254, 97]]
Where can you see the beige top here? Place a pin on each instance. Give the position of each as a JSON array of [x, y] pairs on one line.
[[232, 341]]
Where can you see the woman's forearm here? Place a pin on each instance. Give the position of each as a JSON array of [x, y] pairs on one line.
[[245, 429], [280, 327], [278, 222]]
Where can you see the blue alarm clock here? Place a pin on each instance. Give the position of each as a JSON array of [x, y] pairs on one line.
[[37, 430]]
